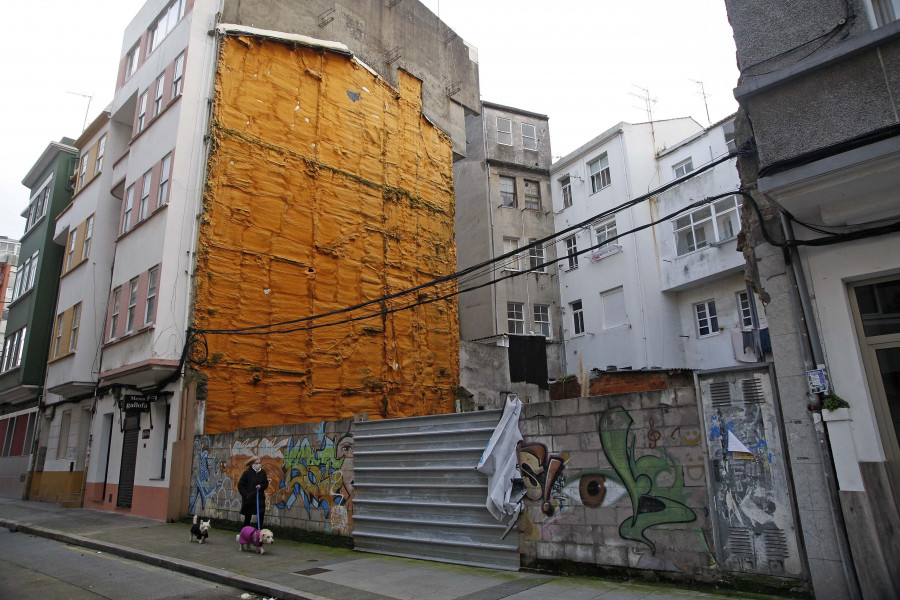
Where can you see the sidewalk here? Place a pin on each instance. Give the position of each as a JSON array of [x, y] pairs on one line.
[[296, 571]]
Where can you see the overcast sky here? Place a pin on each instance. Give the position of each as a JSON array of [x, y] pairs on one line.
[[581, 62]]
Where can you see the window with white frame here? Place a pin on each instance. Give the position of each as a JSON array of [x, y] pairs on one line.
[[167, 21], [145, 197], [57, 334], [114, 313], [129, 206], [511, 244], [150, 305], [178, 79], [532, 194], [101, 150], [683, 168], [571, 252], [614, 313], [566, 185], [73, 334], [600, 175], [707, 225], [508, 191], [165, 173], [728, 129], [88, 237], [25, 276], [70, 254], [13, 347], [82, 172], [577, 317], [536, 257], [157, 99], [515, 318], [542, 320], [504, 131], [38, 205], [132, 305], [131, 60], [142, 112], [707, 318], [529, 137], [606, 230], [745, 311]]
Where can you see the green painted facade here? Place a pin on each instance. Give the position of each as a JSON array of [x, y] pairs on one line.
[[35, 308]]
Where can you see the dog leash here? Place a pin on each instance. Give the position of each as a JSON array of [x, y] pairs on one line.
[[258, 524]]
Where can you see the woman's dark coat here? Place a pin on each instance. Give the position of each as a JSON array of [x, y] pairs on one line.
[[247, 487]]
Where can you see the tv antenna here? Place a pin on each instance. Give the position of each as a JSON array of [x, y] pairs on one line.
[[647, 100], [87, 111], [705, 96]]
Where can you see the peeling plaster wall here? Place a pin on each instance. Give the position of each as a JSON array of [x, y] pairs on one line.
[[327, 187]]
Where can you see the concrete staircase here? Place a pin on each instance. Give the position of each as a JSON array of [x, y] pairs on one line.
[[417, 494]]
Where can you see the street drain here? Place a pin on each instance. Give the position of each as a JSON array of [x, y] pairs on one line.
[[313, 571]]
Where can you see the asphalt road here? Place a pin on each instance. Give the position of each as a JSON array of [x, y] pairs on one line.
[[37, 568]]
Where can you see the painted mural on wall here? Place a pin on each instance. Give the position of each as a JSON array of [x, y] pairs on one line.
[[310, 475]]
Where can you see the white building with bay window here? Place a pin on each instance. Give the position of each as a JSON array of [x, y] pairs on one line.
[[672, 294]]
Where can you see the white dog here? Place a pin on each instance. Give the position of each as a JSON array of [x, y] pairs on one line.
[[200, 530], [255, 538]]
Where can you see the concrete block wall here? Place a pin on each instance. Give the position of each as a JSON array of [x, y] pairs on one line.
[[310, 469], [632, 491]]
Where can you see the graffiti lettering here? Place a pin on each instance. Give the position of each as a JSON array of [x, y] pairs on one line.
[[541, 472], [315, 475], [653, 435]]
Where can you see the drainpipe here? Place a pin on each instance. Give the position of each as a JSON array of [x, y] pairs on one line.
[[813, 357]]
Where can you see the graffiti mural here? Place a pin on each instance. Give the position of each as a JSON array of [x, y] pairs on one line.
[[314, 475], [542, 473], [208, 478]]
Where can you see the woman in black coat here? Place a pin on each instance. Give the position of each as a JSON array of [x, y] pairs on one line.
[[252, 483]]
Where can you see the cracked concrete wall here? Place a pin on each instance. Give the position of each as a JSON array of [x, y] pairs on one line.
[[326, 188]]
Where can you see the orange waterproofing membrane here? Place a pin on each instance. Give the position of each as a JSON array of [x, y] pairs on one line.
[[326, 188]]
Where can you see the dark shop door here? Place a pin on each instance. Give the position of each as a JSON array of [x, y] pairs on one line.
[[129, 459]]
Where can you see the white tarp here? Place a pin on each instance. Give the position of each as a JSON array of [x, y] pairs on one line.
[[500, 463]]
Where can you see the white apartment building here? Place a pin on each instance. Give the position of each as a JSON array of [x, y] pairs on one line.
[[672, 294]]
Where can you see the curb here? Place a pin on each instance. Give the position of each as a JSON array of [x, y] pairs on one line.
[[249, 584]]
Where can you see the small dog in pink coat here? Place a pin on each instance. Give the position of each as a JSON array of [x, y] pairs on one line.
[[251, 537]]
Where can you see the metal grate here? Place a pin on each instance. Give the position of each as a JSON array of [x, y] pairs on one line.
[[720, 392], [776, 544], [752, 391], [740, 542]]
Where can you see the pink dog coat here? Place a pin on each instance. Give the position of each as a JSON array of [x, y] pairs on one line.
[[250, 535]]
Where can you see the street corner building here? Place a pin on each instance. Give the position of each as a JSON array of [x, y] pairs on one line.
[[327, 188]]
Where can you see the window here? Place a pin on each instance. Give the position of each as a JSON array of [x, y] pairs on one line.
[[114, 313], [515, 318], [571, 252], [577, 317], [62, 443], [57, 336], [101, 150], [566, 184], [504, 132], [165, 24], [70, 255], [131, 62], [179, 75], [145, 197], [707, 319], [163, 195], [536, 258], [884, 12], [529, 137], [151, 295], [600, 177], [82, 172], [132, 305], [157, 100], [532, 195], [12, 349], [728, 128], [73, 335], [542, 320], [708, 225], [508, 191], [511, 245], [683, 168], [606, 230], [142, 112], [88, 236], [129, 205], [25, 276], [614, 313], [744, 310]]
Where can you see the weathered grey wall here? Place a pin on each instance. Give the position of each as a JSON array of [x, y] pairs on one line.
[[407, 35], [595, 512], [310, 469], [484, 372]]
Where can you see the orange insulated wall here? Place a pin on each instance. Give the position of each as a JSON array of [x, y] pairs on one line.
[[326, 188]]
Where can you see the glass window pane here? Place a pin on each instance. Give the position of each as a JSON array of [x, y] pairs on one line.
[[879, 307]]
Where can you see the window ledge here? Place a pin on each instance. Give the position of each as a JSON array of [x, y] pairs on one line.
[[62, 357], [24, 294], [721, 242], [74, 268], [129, 335], [154, 119], [142, 221]]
